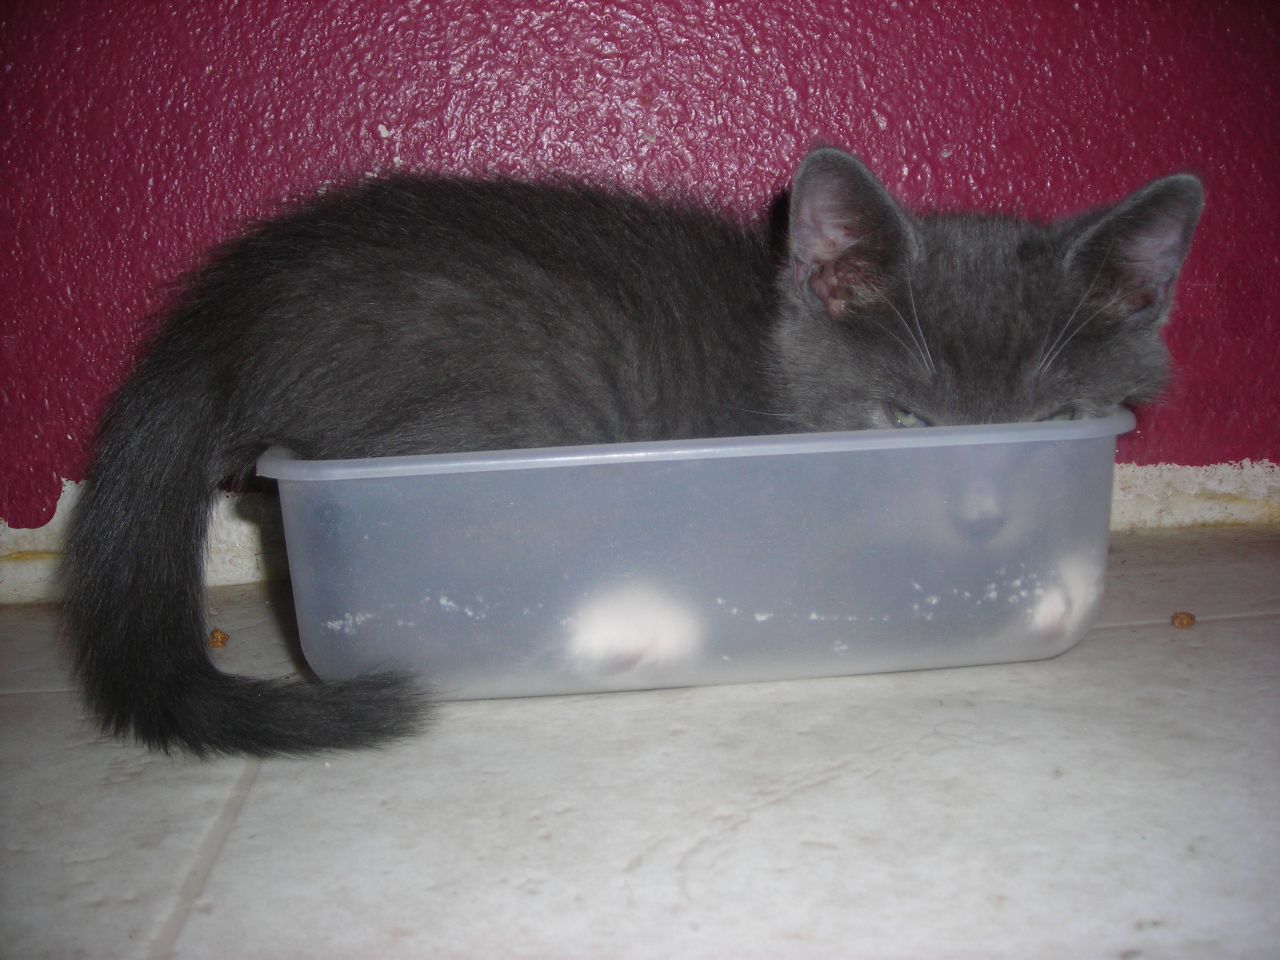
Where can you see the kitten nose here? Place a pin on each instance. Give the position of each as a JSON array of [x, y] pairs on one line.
[[981, 516], [981, 529]]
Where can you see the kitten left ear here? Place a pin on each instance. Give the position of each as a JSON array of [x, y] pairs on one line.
[[848, 236], [1131, 255]]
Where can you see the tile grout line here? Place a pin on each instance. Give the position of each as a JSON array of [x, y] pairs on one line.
[[202, 867]]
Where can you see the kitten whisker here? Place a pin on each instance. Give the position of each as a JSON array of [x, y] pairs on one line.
[[910, 350], [770, 413], [1045, 347], [911, 299], [1048, 362], [1044, 361], [920, 350]]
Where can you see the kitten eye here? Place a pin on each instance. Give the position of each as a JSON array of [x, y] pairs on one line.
[[1066, 413], [902, 417]]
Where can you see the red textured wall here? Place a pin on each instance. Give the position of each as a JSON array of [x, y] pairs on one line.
[[135, 134]]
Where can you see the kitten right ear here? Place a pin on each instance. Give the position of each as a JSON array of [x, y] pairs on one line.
[[848, 236], [1131, 255]]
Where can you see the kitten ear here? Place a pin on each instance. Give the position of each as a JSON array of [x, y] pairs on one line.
[[1131, 255], [848, 236]]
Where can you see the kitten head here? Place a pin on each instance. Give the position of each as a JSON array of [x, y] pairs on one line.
[[892, 320]]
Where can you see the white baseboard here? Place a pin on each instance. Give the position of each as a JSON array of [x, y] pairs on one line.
[[1163, 495], [245, 545], [245, 542]]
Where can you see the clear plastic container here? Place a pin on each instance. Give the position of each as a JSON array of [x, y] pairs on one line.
[[677, 563]]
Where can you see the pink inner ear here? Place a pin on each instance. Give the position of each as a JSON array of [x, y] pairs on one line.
[[832, 260], [825, 230], [826, 225], [826, 284], [1140, 298], [834, 237], [824, 238], [834, 284], [1161, 248], [1148, 264]]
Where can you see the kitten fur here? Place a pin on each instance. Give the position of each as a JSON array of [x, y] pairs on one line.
[[425, 314]]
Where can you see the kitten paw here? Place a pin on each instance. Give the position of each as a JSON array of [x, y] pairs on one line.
[[1062, 607], [631, 628]]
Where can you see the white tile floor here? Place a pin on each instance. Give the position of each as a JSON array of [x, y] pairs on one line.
[[1121, 801]]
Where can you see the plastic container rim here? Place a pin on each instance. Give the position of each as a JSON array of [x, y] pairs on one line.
[[280, 463]]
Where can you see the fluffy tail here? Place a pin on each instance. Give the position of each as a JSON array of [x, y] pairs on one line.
[[134, 575]]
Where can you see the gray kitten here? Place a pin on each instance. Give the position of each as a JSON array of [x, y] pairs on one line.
[[422, 314]]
